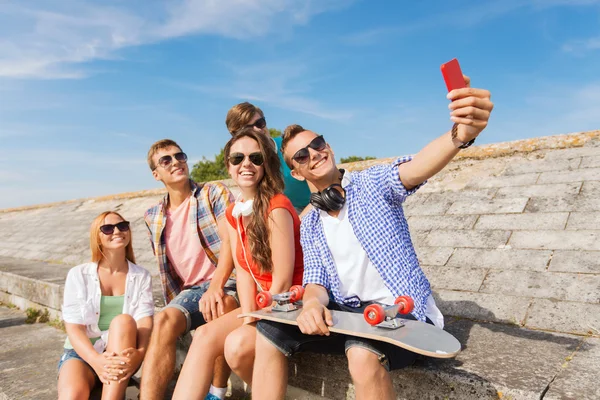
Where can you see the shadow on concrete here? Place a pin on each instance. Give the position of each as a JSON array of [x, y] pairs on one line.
[[488, 320], [5, 323]]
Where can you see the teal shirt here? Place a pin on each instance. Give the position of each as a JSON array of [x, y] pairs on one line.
[[297, 191], [110, 307]]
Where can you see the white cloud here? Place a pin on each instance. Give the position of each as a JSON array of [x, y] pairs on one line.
[[473, 14], [582, 46], [52, 39], [284, 84]]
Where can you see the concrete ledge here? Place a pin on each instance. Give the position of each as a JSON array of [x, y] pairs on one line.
[[499, 360]]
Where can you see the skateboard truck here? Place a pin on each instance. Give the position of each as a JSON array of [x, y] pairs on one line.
[[385, 317], [284, 301]]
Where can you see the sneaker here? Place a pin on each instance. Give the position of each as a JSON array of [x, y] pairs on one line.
[[211, 396]]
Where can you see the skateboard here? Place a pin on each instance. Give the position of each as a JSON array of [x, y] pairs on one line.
[[378, 322]]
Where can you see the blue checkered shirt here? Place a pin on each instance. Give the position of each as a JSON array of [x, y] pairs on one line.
[[374, 197]]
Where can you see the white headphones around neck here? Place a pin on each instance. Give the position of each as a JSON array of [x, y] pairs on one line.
[[242, 208]]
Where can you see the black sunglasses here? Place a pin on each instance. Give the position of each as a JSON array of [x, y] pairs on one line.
[[259, 123], [165, 161], [255, 158], [302, 155], [109, 229]]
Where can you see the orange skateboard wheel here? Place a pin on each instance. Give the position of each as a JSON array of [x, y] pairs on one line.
[[297, 293], [406, 304], [374, 314], [264, 299]]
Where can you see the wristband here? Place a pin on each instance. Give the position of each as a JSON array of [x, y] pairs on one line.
[[457, 143]]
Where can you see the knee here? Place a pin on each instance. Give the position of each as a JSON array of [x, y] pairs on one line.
[[237, 349], [165, 326], [364, 366], [73, 392], [205, 337], [123, 323]]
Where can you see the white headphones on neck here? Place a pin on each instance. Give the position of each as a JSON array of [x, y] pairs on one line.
[[242, 208]]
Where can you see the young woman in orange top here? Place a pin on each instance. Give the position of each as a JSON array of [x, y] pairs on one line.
[[264, 231]]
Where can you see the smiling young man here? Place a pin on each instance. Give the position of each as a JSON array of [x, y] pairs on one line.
[[357, 250], [245, 114], [188, 233]]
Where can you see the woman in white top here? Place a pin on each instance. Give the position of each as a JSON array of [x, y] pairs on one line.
[[107, 311]]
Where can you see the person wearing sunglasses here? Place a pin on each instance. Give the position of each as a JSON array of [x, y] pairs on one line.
[[264, 231], [248, 115], [357, 251], [188, 234], [107, 310]]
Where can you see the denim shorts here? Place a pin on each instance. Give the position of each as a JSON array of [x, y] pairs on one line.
[[71, 354], [289, 340], [188, 302]]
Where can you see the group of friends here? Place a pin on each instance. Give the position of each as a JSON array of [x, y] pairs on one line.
[[299, 220]]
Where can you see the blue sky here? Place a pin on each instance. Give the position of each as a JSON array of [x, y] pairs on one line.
[[86, 87]]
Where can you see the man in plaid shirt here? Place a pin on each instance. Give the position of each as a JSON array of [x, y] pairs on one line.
[[188, 233], [357, 251]]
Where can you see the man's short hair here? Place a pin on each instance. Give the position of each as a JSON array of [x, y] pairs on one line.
[[240, 115], [288, 134], [160, 145]]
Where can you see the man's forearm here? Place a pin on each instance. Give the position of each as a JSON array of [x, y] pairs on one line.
[[428, 162], [315, 294]]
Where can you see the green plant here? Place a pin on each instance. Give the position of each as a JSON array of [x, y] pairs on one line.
[[57, 323], [9, 305], [44, 316], [32, 315], [350, 159]]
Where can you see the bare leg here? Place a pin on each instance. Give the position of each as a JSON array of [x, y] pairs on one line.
[[269, 380], [371, 380], [239, 351], [221, 369], [75, 380], [122, 334], [159, 363], [208, 343]]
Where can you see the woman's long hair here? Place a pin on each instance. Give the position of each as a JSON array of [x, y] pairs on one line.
[[270, 185], [95, 244]]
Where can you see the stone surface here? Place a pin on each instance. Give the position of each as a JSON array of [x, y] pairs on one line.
[[482, 306], [454, 278], [549, 190], [581, 202], [434, 255], [590, 162], [556, 240], [543, 165], [518, 362], [495, 206], [426, 223], [467, 238], [575, 261], [548, 285], [564, 316], [579, 378], [583, 221], [506, 181], [501, 259], [587, 174], [523, 221]]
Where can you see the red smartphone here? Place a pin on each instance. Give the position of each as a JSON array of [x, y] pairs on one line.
[[453, 75]]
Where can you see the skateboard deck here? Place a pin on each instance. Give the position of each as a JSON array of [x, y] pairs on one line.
[[415, 336]]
